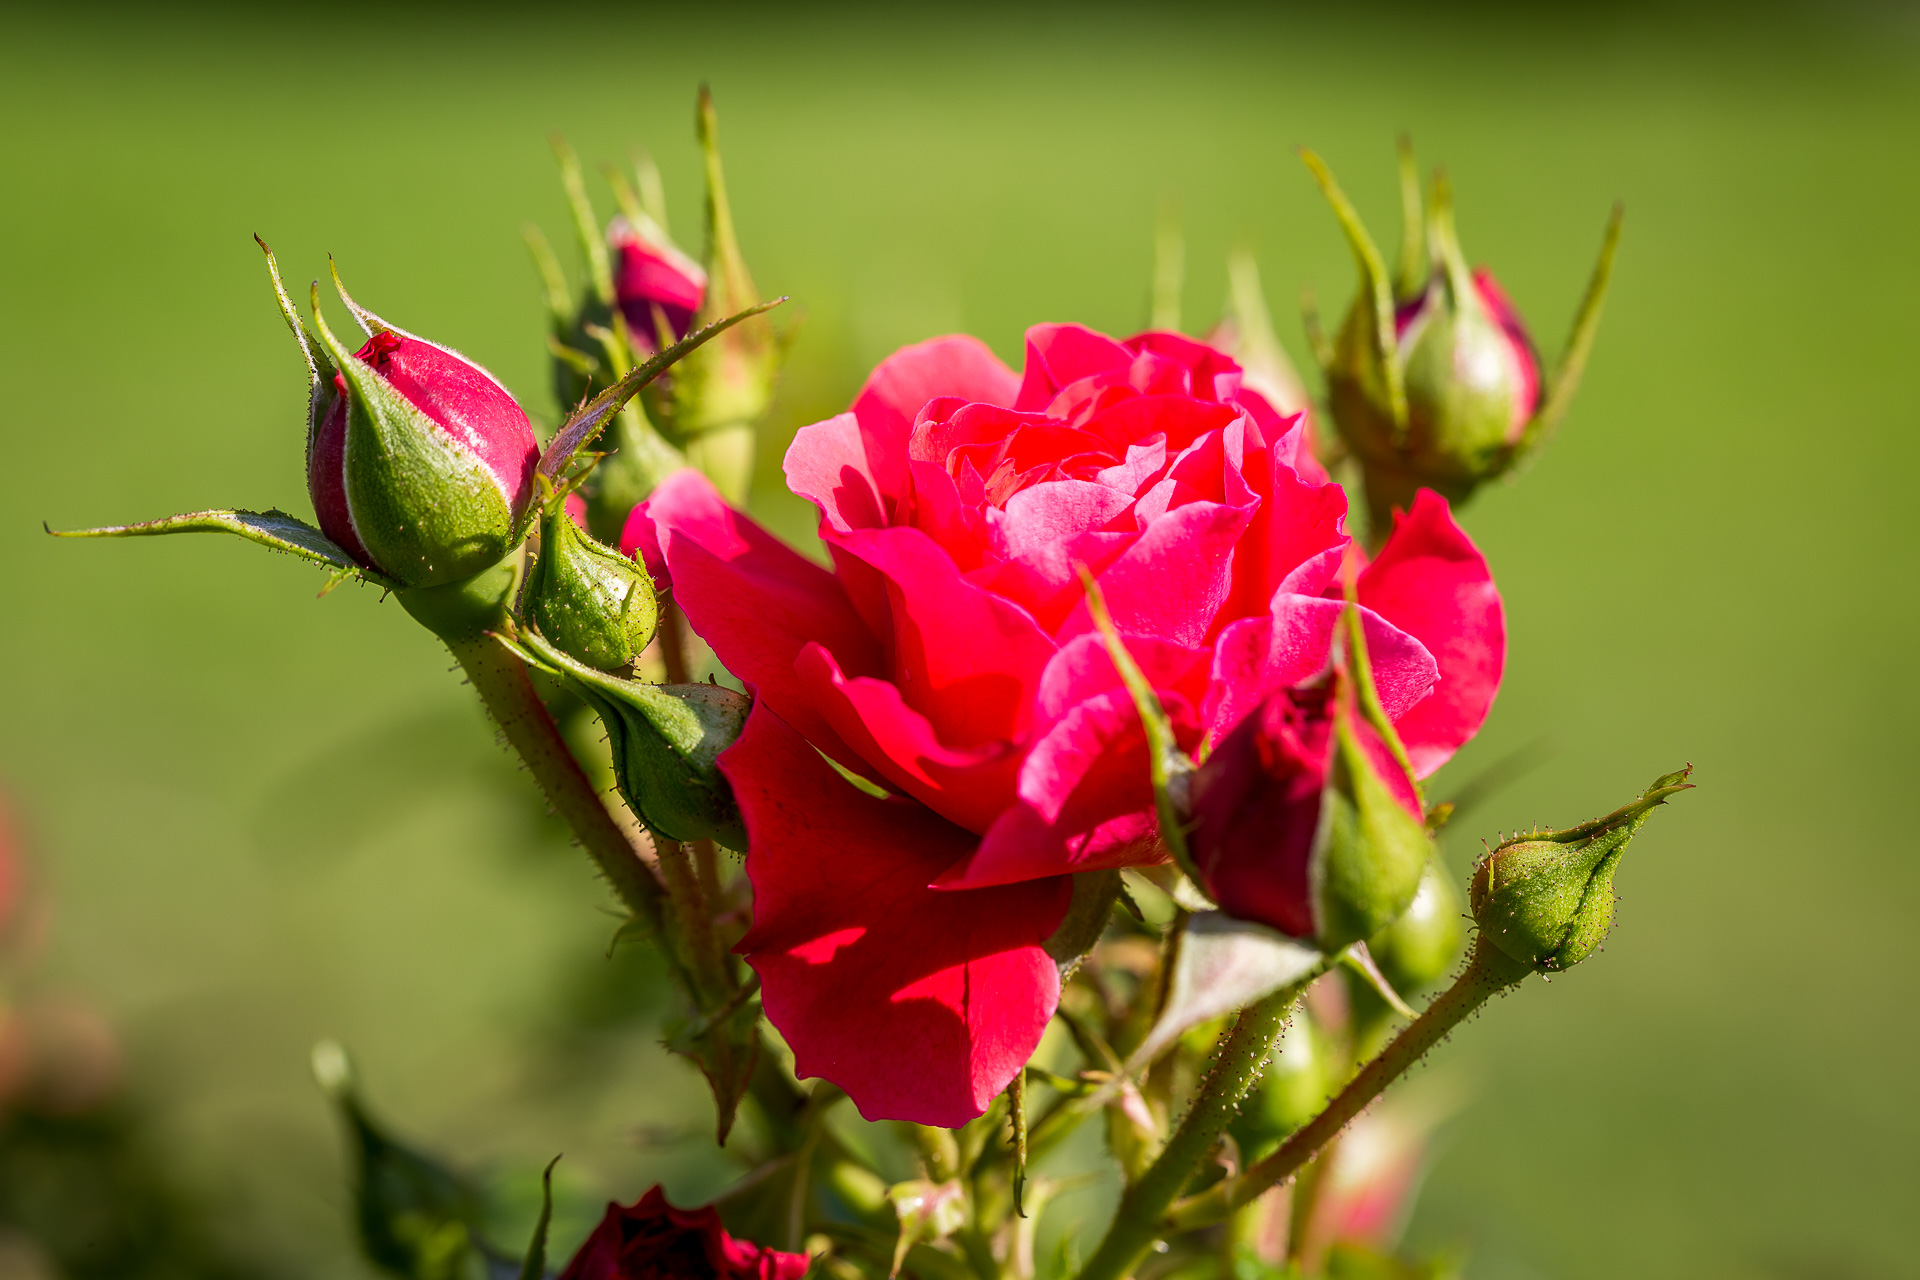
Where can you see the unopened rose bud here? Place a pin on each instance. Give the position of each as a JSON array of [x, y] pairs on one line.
[[1434, 382], [1545, 898], [1418, 948], [659, 289], [1307, 820], [587, 599], [1296, 1085], [419, 462], [666, 740]]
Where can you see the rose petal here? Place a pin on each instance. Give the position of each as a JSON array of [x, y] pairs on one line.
[[921, 1004], [757, 602], [956, 365], [967, 787], [1086, 801], [963, 657], [1173, 580], [1254, 657], [1432, 582]]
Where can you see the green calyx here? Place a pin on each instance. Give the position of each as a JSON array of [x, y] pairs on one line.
[[428, 511], [589, 601], [1372, 849], [1545, 898], [666, 740], [467, 607]]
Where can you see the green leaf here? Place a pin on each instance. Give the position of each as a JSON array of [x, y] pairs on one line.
[[1573, 362], [416, 1217], [535, 1266], [1224, 964], [271, 528]]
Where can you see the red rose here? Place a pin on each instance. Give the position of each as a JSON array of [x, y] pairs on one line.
[[652, 1240], [949, 657]]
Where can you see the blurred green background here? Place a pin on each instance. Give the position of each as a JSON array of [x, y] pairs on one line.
[[263, 818]]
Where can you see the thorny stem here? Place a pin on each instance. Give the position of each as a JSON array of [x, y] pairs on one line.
[[693, 917], [1487, 974], [501, 680], [1237, 1067]]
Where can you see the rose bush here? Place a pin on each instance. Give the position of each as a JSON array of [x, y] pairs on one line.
[[949, 662]]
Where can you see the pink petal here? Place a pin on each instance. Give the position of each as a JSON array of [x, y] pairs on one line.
[[1059, 355], [920, 1004], [967, 787], [956, 365], [1086, 802], [756, 601], [827, 465], [963, 657], [1172, 581], [1432, 582], [1255, 657]]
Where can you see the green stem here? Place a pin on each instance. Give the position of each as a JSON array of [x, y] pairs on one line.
[[693, 918], [1237, 1067], [500, 679], [1489, 973]]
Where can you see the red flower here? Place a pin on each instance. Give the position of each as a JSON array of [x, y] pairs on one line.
[[652, 1240], [949, 657]]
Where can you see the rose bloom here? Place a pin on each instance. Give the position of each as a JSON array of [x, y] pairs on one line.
[[652, 1240], [948, 661]]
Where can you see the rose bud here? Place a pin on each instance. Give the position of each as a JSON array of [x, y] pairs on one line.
[[419, 462], [658, 288], [1305, 820], [1419, 947], [666, 739], [1545, 898], [588, 600], [1434, 382], [652, 1240]]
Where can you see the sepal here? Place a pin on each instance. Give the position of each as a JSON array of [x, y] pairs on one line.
[[273, 529], [666, 740]]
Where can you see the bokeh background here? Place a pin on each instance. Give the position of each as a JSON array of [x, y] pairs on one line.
[[261, 818]]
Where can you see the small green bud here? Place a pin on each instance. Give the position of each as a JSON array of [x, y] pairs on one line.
[[1295, 1087], [1545, 898], [588, 600], [1417, 949], [666, 740]]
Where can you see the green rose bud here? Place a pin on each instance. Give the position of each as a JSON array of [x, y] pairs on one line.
[[1419, 947], [666, 740], [588, 600], [1545, 898], [1432, 379]]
